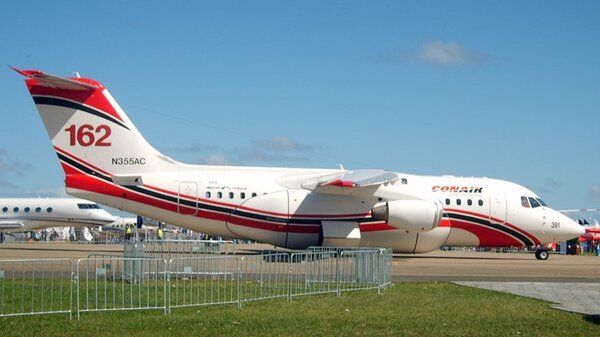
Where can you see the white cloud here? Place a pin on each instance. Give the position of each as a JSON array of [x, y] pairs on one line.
[[216, 159], [446, 53], [274, 150], [433, 52], [280, 143], [56, 192], [9, 169], [594, 193], [193, 148]]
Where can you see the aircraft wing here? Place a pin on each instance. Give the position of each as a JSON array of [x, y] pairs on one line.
[[11, 224], [351, 182]]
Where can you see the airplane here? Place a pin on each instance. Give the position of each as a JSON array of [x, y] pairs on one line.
[[106, 159], [121, 222], [31, 214]]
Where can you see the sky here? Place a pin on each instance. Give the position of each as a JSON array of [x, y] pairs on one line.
[[500, 89]]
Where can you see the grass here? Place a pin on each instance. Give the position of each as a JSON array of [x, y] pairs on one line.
[[407, 309]]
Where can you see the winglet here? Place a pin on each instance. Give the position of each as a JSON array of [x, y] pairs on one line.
[[58, 82]]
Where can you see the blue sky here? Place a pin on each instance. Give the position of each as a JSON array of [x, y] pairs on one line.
[[506, 89]]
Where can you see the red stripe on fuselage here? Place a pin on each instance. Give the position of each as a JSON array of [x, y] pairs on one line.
[[260, 211], [476, 227], [82, 181], [488, 237]]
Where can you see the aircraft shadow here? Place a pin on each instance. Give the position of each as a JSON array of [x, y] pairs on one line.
[[593, 319], [483, 258]]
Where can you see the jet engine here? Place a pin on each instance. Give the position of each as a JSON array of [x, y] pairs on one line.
[[410, 215]]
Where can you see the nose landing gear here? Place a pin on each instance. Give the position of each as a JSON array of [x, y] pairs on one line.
[[541, 254]]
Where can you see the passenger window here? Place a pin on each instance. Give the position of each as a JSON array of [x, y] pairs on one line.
[[447, 201], [49, 209], [469, 202], [253, 194], [16, 209], [230, 195], [219, 195], [525, 202], [38, 209], [458, 202], [207, 194], [404, 181], [27, 209], [480, 202], [4, 209], [243, 195]]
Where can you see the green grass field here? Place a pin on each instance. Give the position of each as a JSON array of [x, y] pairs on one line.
[[406, 309]]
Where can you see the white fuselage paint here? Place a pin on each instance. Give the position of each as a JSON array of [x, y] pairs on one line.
[[30, 214], [106, 159]]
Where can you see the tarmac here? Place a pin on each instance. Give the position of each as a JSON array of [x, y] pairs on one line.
[[570, 283], [583, 298]]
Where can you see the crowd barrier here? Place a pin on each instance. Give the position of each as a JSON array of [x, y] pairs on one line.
[[33, 287], [108, 283]]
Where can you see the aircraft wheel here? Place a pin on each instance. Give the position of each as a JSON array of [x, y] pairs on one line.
[[541, 254]]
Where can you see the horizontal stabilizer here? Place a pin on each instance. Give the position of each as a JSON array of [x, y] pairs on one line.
[[56, 82], [10, 225]]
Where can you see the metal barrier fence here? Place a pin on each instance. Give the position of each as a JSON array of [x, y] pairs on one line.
[[202, 281], [29, 287], [263, 277], [168, 249], [108, 283], [117, 283]]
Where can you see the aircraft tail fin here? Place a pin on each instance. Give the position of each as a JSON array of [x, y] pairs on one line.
[[91, 134]]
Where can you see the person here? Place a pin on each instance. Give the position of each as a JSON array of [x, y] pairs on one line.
[[127, 232], [72, 234], [159, 232]]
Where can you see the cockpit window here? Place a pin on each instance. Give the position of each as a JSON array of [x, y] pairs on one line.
[[534, 202]]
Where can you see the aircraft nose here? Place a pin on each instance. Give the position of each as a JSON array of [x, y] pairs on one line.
[[106, 217], [572, 228], [579, 230]]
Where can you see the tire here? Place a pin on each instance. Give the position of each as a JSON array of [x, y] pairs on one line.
[[541, 254]]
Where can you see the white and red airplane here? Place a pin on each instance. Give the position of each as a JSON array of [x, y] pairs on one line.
[[106, 159]]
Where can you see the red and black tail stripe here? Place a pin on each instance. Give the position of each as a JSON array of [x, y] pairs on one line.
[[57, 101]]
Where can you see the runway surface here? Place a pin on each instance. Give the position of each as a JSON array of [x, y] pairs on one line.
[[435, 266], [571, 282]]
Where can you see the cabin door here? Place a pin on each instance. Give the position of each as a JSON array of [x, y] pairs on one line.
[[187, 198]]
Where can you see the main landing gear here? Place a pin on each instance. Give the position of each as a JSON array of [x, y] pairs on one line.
[[541, 254]]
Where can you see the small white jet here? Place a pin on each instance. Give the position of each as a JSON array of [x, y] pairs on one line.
[[106, 159], [121, 223], [31, 214]]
